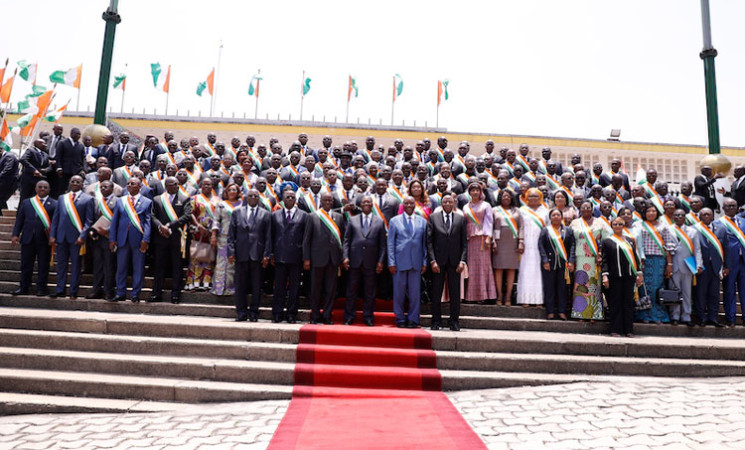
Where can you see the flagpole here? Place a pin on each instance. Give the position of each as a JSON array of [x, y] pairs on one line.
[[167, 95], [302, 95], [2, 80], [80, 88], [124, 87], [10, 94], [217, 74], [393, 102], [256, 106]]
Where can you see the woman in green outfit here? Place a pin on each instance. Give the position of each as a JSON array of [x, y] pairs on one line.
[[588, 232]]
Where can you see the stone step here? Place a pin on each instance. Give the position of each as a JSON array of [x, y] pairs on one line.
[[9, 213], [82, 384], [14, 403]]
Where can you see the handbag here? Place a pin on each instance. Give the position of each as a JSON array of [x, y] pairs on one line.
[[201, 252], [670, 295], [644, 303]]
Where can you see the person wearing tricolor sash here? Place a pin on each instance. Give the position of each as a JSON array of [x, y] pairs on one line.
[[686, 191], [621, 272], [479, 231], [587, 303], [70, 225], [506, 235], [204, 204], [322, 255], [556, 246], [31, 230], [129, 237], [104, 261], [535, 216], [122, 174], [171, 213], [712, 237], [655, 242], [734, 250], [688, 246]]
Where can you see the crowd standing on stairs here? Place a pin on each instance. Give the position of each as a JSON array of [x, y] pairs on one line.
[[421, 224]]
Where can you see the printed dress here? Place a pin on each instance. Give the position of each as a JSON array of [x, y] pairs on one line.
[[199, 276], [586, 296], [479, 225], [222, 279]]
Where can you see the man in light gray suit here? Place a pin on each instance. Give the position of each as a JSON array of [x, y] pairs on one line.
[[682, 275], [364, 255]]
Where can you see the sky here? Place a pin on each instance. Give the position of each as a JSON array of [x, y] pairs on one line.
[[567, 68]]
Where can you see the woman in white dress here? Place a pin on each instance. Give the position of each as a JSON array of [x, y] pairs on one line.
[[534, 218]]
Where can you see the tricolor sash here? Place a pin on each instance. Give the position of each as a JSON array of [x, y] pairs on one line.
[[732, 227], [265, 201], [586, 232], [509, 168], [394, 191], [552, 183], [534, 217], [129, 210], [523, 162], [530, 176], [595, 202], [378, 212], [329, 223], [511, 222], [654, 235], [103, 207], [691, 219], [419, 210], [207, 204], [210, 149], [72, 213], [627, 253], [193, 176], [683, 237], [712, 238], [471, 215], [310, 201], [126, 173], [170, 212], [568, 193], [668, 221], [230, 208], [555, 237], [685, 201], [594, 179], [41, 212]]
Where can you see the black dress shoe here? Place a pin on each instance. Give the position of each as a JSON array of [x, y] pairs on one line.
[[276, 319], [42, 293], [716, 324], [435, 326], [118, 298], [19, 292], [253, 319], [135, 299], [400, 324], [349, 322], [454, 326], [241, 318], [73, 296], [57, 294], [412, 325], [175, 298], [154, 299], [313, 322], [291, 319], [369, 322], [328, 322], [94, 295]]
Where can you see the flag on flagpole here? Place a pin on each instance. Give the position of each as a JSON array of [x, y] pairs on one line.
[[442, 87], [69, 77], [208, 84], [6, 139], [56, 115], [167, 83], [254, 89], [28, 71], [120, 80], [352, 87], [305, 86], [23, 121], [6, 90], [398, 86], [641, 175], [155, 71], [2, 71]]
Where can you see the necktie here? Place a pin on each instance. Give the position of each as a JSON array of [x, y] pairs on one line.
[[380, 201], [252, 217], [365, 224], [289, 218], [409, 228], [447, 222]]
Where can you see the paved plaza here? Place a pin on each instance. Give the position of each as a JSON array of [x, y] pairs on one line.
[[623, 413]]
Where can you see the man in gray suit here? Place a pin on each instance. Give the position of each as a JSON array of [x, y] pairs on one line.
[[682, 275], [364, 254], [249, 247], [322, 251]]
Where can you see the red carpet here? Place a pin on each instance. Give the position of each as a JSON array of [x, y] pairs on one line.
[[363, 387]]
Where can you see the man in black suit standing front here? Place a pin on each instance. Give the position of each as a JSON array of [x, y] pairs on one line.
[[70, 158], [171, 212], [288, 231], [737, 190], [8, 178], [447, 249], [31, 230], [36, 166], [364, 255], [249, 247], [322, 250]]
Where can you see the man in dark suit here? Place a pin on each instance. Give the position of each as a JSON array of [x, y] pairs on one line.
[[70, 158], [737, 190], [36, 166], [364, 257], [447, 250], [8, 178], [171, 214], [249, 248], [104, 265], [70, 225], [31, 230], [704, 187], [51, 141], [712, 237], [116, 151], [288, 231], [734, 250], [322, 251], [129, 237]]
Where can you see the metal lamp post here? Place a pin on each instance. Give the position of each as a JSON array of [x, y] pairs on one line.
[[112, 18]]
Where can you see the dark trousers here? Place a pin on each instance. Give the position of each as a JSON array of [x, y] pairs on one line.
[[707, 295], [322, 291], [168, 254], [554, 290], [620, 296], [41, 252], [733, 286], [104, 266], [385, 284], [365, 279], [247, 277], [286, 280], [28, 190], [438, 284], [68, 253], [130, 254]]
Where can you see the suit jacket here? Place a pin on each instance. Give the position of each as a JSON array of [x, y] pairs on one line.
[[116, 151], [63, 229], [70, 157], [734, 253], [548, 251], [120, 177], [447, 248], [123, 231], [151, 155], [737, 191], [364, 250], [319, 244], [389, 206], [705, 188], [91, 190], [407, 250], [53, 142], [287, 237], [614, 262], [8, 172], [34, 159], [182, 206], [709, 255], [682, 252], [250, 242], [28, 225]]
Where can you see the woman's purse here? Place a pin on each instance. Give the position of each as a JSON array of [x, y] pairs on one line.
[[644, 303], [671, 295], [201, 252]]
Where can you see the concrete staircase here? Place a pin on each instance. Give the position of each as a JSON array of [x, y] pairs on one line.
[[91, 355]]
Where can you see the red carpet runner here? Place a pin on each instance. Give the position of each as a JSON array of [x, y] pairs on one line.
[[362, 387]]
